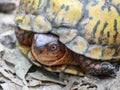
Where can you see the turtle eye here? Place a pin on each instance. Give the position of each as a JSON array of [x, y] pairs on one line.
[[53, 47]]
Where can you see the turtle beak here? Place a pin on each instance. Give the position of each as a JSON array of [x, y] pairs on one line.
[[36, 41], [43, 39]]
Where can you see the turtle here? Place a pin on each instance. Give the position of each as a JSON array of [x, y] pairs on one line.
[[89, 28]]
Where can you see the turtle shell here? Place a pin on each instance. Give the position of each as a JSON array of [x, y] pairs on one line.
[[87, 27]]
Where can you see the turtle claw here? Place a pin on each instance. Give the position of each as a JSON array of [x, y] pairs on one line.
[[107, 69], [104, 69]]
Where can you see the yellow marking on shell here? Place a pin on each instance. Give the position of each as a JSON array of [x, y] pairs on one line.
[[18, 18], [33, 23], [41, 24], [42, 6], [30, 6], [105, 17], [108, 53], [26, 22], [78, 45], [116, 55], [118, 52], [65, 34], [66, 12], [116, 2], [36, 3], [94, 52]]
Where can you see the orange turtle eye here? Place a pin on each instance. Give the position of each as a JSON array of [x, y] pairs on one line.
[[53, 47]]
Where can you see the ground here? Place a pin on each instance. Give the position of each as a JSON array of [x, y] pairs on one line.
[[17, 73]]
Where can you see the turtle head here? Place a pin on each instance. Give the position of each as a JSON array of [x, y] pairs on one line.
[[48, 50]]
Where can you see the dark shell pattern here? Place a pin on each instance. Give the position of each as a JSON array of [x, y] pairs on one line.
[[87, 27]]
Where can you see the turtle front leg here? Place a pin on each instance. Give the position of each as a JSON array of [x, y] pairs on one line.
[[97, 68], [102, 68]]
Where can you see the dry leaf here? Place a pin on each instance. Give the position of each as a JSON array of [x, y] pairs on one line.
[[10, 57], [39, 76], [25, 88], [3, 79], [10, 86], [10, 76], [51, 87], [33, 82], [22, 67]]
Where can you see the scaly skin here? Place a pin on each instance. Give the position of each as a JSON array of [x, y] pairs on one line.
[[96, 68], [24, 37]]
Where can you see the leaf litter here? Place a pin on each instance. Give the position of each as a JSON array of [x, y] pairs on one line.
[[14, 67]]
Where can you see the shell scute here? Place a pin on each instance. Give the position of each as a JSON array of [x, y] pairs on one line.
[[64, 13], [34, 23], [108, 52], [65, 34], [25, 22], [78, 45], [94, 51], [41, 24], [33, 6], [102, 23]]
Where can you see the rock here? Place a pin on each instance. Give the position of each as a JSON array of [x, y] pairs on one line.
[[7, 7]]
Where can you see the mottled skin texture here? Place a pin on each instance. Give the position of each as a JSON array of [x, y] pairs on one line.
[[24, 37], [89, 28]]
